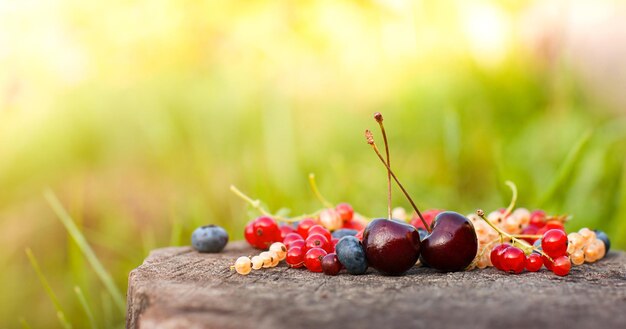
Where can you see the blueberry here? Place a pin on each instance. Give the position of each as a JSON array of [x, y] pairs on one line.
[[209, 238], [340, 233], [423, 233], [605, 238], [351, 255], [537, 244]]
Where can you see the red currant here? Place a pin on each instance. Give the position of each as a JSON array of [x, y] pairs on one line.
[[554, 243], [533, 262], [538, 218], [313, 259], [266, 231], [530, 230], [317, 240], [331, 264], [513, 260], [249, 234], [550, 225], [562, 265], [284, 230], [305, 225], [319, 229], [295, 257], [291, 237], [547, 263], [429, 216], [353, 225], [298, 243], [345, 211], [334, 242], [496, 255]]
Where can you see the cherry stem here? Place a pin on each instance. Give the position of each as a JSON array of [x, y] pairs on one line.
[[256, 204], [513, 187], [379, 118], [317, 193], [521, 243], [370, 140]]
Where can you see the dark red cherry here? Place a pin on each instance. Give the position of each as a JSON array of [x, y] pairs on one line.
[[452, 244], [391, 247]]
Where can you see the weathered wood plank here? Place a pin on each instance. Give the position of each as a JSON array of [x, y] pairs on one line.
[[180, 288]]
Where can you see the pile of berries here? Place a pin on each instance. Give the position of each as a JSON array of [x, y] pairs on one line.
[[276, 253]]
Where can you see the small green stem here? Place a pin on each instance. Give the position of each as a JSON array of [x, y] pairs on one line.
[[513, 187], [522, 244], [317, 193], [256, 204]]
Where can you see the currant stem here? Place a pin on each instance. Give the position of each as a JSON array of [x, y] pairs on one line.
[[521, 243], [379, 118], [317, 193], [256, 204], [370, 140], [513, 187]]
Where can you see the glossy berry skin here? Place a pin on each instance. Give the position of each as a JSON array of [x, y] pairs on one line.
[[209, 238], [320, 230], [533, 262], [604, 238], [329, 218], [284, 230], [351, 255], [554, 243], [530, 230], [551, 225], [538, 218], [291, 237], [423, 233], [392, 247], [513, 260], [354, 225], [316, 240], [331, 264], [496, 255], [562, 266], [262, 232], [304, 226], [547, 263], [313, 259], [340, 233], [345, 211], [297, 243], [452, 244], [295, 257]]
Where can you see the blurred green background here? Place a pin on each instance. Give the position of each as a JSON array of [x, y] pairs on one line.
[[140, 114]]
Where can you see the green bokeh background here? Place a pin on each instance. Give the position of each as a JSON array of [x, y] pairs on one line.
[[140, 114]]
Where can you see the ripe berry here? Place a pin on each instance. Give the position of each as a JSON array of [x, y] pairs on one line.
[[284, 230], [320, 230], [340, 233], [533, 262], [551, 225], [317, 240], [351, 254], [429, 216], [354, 224], [280, 249], [604, 238], [513, 260], [295, 257], [496, 255], [331, 264], [547, 262], [554, 243], [313, 259], [304, 226], [297, 243], [291, 237], [249, 234], [209, 238], [530, 230], [262, 232], [562, 266], [243, 265], [538, 218], [345, 211], [330, 219]]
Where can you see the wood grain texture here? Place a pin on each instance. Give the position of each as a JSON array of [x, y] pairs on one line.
[[180, 288]]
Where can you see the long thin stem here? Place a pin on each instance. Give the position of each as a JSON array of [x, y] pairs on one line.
[[256, 204], [370, 140], [522, 244], [379, 118], [511, 206], [317, 193]]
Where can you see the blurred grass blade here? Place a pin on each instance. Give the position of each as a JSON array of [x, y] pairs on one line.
[[48, 289], [91, 257], [85, 306], [24, 324], [107, 312], [563, 176]]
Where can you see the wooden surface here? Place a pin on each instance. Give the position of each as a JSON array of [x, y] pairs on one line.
[[180, 288]]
